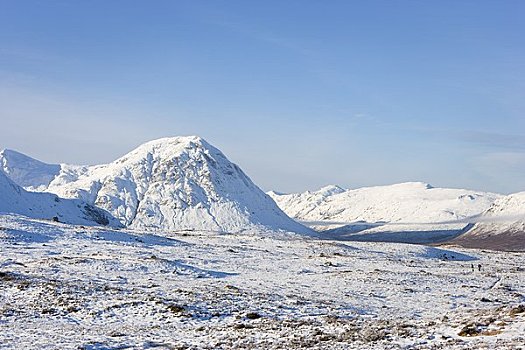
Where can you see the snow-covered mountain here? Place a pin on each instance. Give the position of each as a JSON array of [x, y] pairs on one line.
[[171, 184], [27, 172], [14, 199], [501, 226], [404, 207]]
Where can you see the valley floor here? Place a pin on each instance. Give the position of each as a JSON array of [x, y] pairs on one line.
[[73, 287]]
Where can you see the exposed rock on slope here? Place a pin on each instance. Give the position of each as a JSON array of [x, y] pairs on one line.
[[14, 199], [174, 184], [501, 227]]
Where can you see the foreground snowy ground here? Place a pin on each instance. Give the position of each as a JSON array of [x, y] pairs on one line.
[[72, 287]]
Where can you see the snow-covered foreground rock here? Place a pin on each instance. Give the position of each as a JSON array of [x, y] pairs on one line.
[[167, 184], [501, 227], [70, 287], [14, 199], [406, 212]]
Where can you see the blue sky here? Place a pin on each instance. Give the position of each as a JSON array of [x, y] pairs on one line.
[[299, 93]]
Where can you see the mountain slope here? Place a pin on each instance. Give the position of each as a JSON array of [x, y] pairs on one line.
[[14, 199], [26, 171], [501, 227], [413, 206], [174, 184]]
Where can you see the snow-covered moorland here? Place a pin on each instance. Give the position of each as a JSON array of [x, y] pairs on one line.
[[74, 287]]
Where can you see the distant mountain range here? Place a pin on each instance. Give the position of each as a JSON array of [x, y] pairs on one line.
[[411, 212], [405, 203], [184, 183]]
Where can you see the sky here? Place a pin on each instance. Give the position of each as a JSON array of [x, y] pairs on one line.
[[300, 94]]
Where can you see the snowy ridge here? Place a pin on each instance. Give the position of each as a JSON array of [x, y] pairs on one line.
[[502, 226], [27, 172], [510, 208], [412, 206], [14, 199], [411, 202], [179, 183]]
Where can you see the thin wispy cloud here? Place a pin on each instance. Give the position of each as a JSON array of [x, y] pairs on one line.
[[509, 161], [494, 140]]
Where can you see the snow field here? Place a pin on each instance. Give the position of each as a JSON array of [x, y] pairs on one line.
[[96, 288]]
